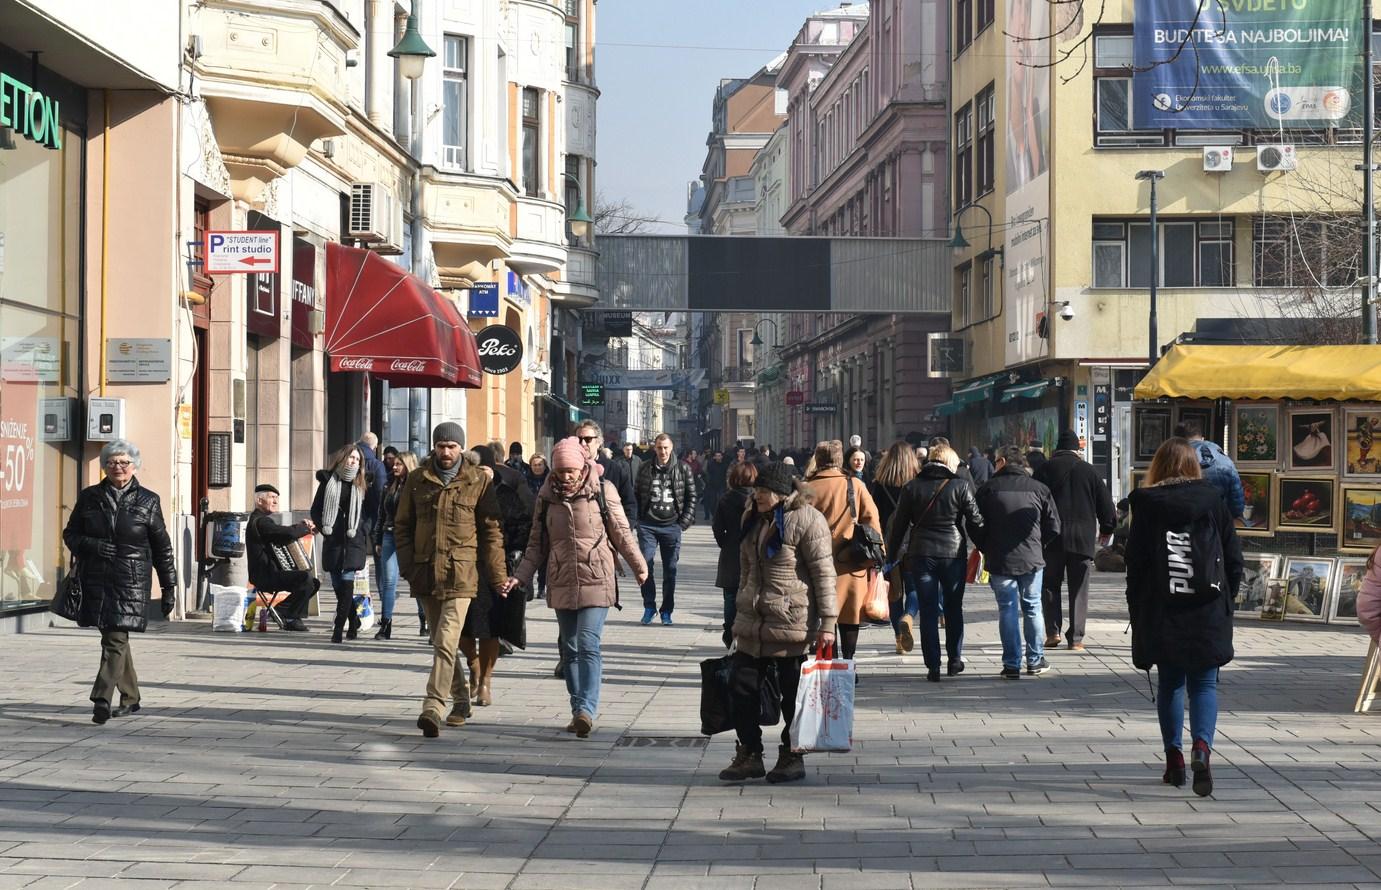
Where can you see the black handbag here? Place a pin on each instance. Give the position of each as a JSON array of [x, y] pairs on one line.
[[866, 542], [67, 603], [717, 701]]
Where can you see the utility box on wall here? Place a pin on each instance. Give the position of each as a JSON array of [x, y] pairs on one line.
[[105, 419]]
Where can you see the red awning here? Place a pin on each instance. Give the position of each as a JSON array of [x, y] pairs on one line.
[[381, 319]]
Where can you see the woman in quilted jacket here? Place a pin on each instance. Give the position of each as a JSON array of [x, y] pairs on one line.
[[577, 527], [117, 535], [786, 604]]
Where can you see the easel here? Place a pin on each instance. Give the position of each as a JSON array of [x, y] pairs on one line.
[[1371, 681]]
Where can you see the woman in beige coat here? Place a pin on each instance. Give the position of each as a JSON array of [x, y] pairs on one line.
[[578, 524], [785, 602], [831, 487]]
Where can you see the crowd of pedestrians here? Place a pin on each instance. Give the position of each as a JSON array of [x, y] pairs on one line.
[[804, 539]]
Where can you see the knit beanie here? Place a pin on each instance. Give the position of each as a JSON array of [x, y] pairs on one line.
[[775, 478], [1068, 441], [569, 453], [449, 431]]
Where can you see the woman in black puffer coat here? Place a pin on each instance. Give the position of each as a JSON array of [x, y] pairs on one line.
[[117, 535], [345, 509], [728, 533], [1184, 565]]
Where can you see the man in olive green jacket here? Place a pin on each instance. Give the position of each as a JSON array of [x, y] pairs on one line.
[[447, 529]]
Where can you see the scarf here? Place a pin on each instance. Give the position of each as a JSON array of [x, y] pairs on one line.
[[330, 505], [446, 474], [778, 534], [571, 489]]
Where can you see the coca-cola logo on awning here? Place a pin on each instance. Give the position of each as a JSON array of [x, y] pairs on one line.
[[356, 364], [500, 349], [408, 366]]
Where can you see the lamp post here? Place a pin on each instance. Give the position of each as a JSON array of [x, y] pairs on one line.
[[412, 54], [580, 221], [1153, 176], [757, 339], [959, 242]]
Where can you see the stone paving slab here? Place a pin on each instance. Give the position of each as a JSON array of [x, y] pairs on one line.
[[282, 761]]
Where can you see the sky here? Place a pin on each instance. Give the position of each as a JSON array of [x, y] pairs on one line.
[[658, 63]]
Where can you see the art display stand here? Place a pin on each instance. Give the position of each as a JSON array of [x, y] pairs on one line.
[[1371, 681]]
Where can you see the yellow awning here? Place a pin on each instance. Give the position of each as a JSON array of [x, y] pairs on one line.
[[1266, 372]]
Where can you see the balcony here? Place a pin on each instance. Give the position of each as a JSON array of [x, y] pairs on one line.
[[469, 219], [577, 290], [273, 75], [539, 246]]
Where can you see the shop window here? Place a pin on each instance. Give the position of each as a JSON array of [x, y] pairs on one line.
[[532, 142], [985, 108], [963, 156], [455, 92], [1192, 253], [1305, 252]]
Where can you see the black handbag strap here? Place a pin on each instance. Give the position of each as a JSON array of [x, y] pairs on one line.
[[853, 512], [933, 498]]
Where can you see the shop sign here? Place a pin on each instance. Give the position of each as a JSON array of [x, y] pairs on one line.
[[303, 292], [518, 290], [591, 395], [29, 113], [721, 397], [1081, 425], [38, 357], [795, 397], [18, 430], [484, 300], [1102, 410], [621, 379], [228, 253], [821, 408], [139, 360], [618, 324], [501, 350]]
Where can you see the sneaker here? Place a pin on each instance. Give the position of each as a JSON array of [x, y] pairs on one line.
[[906, 638], [1053, 640], [666, 618], [745, 765], [1010, 673], [1174, 768], [1039, 667], [1203, 779], [430, 725], [955, 667], [791, 767], [584, 725], [648, 615]]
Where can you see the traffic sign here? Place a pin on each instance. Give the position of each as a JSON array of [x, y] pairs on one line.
[[721, 397], [227, 253]]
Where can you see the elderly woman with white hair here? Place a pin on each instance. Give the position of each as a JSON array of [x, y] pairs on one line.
[[117, 538]]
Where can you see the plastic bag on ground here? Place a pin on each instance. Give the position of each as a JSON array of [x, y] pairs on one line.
[[228, 608]]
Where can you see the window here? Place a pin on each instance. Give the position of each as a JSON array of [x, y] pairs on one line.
[[574, 183], [963, 156], [965, 275], [987, 290], [1112, 93], [963, 24], [1305, 252], [532, 142], [987, 146], [573, 40], [455, 115], [1192, 253], [986, 14]]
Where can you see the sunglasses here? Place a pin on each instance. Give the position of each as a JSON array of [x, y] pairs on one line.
[[586, 440]]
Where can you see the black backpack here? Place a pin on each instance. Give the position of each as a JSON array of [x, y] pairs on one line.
[[1194, 561]]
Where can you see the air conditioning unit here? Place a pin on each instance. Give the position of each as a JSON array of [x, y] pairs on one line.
[[376, 217], [1275, 158], [1217, 158]]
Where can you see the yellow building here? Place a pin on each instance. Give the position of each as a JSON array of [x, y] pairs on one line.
[[1052, 275]]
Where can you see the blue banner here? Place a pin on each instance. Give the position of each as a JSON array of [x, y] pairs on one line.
[[484, 300], [1247, 64]]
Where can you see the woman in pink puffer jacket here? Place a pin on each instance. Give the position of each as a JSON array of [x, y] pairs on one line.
[[1369, 598]]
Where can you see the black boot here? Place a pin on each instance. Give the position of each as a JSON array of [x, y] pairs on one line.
[[338, 629], [790, 767], [385, 631], [345, 611], [747, 764]]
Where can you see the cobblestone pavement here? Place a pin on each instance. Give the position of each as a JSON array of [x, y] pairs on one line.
[[279, 760]]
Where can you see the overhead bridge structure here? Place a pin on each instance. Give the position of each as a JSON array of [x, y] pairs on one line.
[[727, 273]]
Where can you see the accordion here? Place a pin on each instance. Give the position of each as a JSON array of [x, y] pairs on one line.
[[291, 557]]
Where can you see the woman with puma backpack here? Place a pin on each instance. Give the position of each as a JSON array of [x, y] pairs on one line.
[[1184, 565]]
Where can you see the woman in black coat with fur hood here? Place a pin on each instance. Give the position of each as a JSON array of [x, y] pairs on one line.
[[345, 509], [1184, 565], [727, 526]]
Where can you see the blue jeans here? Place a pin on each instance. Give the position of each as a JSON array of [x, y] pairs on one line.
[[387, 569], [1203, 705], [906, 604], [343, 583], [939, 585], [1018, 609], [579, 641], [667, 539]]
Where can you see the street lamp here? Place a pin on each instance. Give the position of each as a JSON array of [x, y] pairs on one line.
[[412, 51], [757, 339], [1153, 176], [959, 242], [581, 220]]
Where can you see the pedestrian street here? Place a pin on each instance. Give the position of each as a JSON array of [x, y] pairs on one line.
[[278, 760]]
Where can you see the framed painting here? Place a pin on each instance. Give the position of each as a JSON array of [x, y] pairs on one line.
[[1258, 489], [1309, 580], [1152, 424], [1201, 415], [1362, 459], [1256, 435], [1360, 509], [1310, 436], [1347, 583], [1306, 504], [1258, 569], [1273, 609]]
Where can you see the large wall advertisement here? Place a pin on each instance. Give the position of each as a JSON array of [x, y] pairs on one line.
[[1028, 177], [1262, 64]]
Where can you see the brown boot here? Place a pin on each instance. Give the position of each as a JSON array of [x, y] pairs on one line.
[[747, 764], [488, 659], [790, 767]]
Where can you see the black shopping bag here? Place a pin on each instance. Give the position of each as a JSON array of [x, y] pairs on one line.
[[717, 703]]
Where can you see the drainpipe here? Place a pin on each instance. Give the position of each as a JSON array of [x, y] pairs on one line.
[[378, 66], [105, 228]]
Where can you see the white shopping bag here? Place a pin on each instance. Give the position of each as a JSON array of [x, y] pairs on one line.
[[364, 605], [824, 718], [228, 608]]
